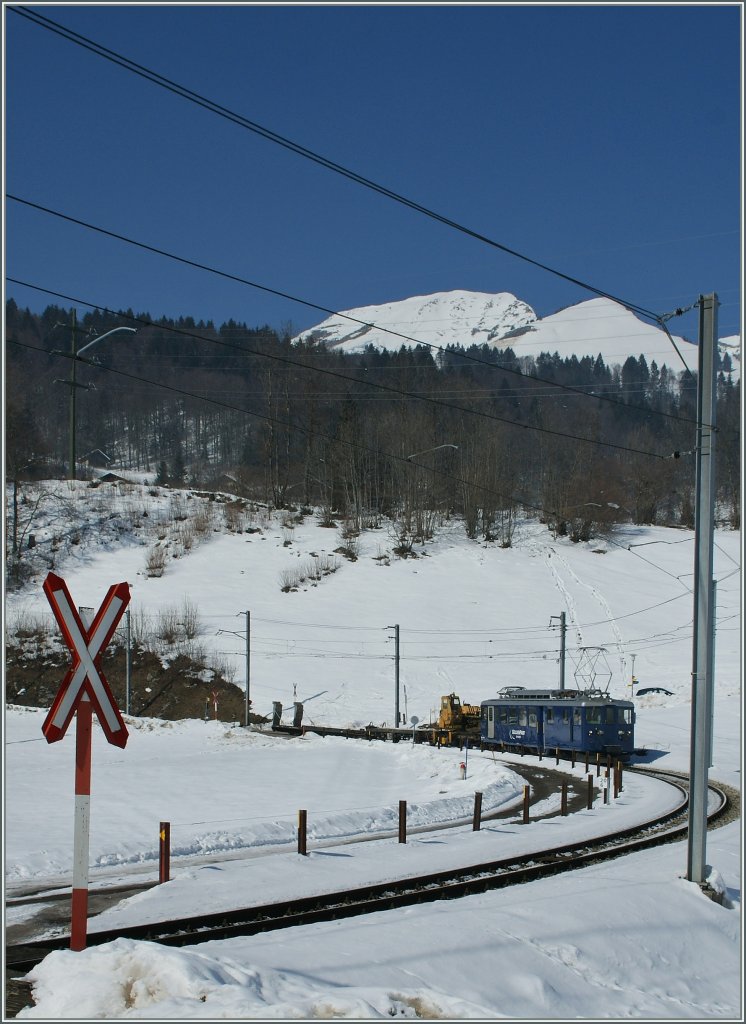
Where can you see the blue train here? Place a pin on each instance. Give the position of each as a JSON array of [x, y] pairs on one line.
[[584, 721]]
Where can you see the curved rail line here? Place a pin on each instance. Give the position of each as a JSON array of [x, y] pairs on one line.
[[449, 884]]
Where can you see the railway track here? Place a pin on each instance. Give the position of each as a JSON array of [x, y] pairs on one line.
[[450, 884]]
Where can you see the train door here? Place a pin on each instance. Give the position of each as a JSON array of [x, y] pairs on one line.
[[490, 721]]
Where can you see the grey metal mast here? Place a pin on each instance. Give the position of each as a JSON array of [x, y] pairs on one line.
[[702, 647]]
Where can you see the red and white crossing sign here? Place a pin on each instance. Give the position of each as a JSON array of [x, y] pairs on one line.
[[85, 677]]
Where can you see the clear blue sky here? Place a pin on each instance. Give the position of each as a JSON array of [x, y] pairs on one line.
[[602, 140]]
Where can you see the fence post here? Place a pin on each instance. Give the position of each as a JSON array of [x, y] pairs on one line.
[[590, 791], [598, 764], [573, 757], [164, 859], [402, 821], [619, 769], [302, 823], [616, 780], [606, 787], [526, 790], [477, 812], [564, 798], [586, 762], [556, 754]]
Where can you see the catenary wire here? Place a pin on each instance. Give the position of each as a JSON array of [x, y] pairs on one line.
[[294, 426], [305, 366], [266, 133], [325, 309], [157, 79]]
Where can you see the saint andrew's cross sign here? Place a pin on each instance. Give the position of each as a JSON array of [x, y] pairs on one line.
[[85, 677], [83, 691]]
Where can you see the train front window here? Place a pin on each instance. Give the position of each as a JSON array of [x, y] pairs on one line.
[[626, 715], [593, 716]]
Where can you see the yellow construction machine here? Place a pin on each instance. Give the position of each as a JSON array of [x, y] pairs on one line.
[[457, 719]]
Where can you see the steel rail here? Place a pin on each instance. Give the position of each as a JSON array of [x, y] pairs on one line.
[[449, 884]]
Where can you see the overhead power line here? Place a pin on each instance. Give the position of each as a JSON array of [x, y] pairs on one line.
[[325, 309], [285, 423], [314, 369], [299, 427], [202, 101]]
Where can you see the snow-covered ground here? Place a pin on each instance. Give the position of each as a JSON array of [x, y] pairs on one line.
[[629, 938]]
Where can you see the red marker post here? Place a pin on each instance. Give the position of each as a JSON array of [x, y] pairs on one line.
[[84, 690]]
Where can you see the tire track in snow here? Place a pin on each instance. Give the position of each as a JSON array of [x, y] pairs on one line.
[[619, 641], [560, 583]]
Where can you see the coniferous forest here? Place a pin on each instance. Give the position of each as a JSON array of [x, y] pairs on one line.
[[581, 444]]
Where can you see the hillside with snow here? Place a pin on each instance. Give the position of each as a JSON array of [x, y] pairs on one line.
[[473, 617], [595, 327]]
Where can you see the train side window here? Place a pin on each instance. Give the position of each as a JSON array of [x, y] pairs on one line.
[[577, 716], [512, 716], [504, 716], [550, 714], [522, 717], [532, 718], [593, 715], [490, 713], [565, 715]]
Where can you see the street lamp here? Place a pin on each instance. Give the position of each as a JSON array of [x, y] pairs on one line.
[[437, 448], [75, 353]]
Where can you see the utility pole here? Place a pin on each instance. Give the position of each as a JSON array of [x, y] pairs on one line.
[[633, 680], [72, 383], [128, 662], [711, 714], [396, 675], [73, 388], [248, 666], [396, 656], [563, 631], [702, 646]]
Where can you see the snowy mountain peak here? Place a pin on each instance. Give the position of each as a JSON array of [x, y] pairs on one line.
[[594, 327], [444, 318]]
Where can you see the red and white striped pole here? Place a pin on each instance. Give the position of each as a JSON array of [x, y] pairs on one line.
[[82, 828], [83, 731]]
